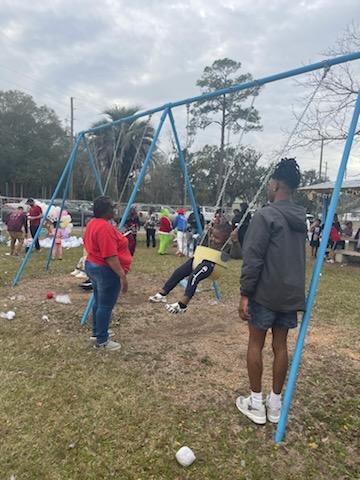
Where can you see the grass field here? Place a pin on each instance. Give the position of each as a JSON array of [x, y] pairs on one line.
[[68, 411]]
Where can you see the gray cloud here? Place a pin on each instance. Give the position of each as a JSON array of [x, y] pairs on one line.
[[149, 52]]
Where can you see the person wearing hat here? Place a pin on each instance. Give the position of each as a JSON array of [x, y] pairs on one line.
[[180, 224], [34, 216]]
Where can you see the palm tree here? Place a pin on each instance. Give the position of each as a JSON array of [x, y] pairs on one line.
[[120, 150]]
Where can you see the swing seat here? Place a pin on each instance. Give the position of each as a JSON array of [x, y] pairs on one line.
[[206, 253]]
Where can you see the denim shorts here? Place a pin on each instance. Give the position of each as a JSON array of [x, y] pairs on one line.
[[263, 318]]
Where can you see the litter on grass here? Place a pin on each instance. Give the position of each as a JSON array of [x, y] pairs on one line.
[[185, 456], [8, 315], [65, 299]]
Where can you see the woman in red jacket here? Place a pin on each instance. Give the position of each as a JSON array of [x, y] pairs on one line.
[[107, 263], [164, 231]]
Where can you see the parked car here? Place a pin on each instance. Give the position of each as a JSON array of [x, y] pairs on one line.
[[79, 212], [208, 213], [143, 210], [8, 208]]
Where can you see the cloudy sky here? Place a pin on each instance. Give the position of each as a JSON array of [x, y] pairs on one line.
[[150, 52]]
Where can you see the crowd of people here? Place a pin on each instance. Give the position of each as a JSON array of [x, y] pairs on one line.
[[20, 224], [339, 236], [272, 286], [272, 244]]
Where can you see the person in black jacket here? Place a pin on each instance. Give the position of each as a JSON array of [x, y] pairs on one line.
[[272, 286]]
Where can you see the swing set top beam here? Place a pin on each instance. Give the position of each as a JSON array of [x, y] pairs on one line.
[[235, 88]]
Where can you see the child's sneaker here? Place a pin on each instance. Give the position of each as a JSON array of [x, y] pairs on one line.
[[257, 415], [158, 298], [75, 272], [109, 345], [273, 413], [175, 308]]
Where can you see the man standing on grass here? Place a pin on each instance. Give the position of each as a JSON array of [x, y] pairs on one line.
[[272, 286], [34, 216], [17, 227]]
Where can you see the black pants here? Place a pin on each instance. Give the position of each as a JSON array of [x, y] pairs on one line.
[[33, 230], [150, 235], [202, 271]]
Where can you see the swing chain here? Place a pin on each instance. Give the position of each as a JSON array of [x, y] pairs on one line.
[[268, 174], [232, 164], [134, 159]]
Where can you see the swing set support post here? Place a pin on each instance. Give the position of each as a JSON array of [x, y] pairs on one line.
[[235, 88], [93, 166], [132, 198], [184, 169], [316, 277], [67, 171], [65, 194], [143, 169]]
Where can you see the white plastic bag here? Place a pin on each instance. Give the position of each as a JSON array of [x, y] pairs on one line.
[[65, 299], [8, 315]]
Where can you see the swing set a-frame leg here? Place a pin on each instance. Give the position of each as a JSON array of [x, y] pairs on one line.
[[132, 197]]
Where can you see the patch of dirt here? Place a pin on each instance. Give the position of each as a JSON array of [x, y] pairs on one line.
[[204, 349]]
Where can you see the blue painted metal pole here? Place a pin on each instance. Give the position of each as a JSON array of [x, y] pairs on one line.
[[189, 187], [235, 88], [93, 166], [65, 194], [143, 169], [54, 195], [132, 198], [316, 277]]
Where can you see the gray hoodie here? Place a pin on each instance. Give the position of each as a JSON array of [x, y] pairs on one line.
[[273, 271]]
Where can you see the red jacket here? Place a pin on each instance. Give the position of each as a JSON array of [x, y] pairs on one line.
[[334, 234], [165, 225]]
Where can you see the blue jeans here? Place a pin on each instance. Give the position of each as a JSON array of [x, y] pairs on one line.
[[106, 288]]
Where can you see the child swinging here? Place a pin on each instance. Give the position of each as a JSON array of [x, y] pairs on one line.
[[216, 237]]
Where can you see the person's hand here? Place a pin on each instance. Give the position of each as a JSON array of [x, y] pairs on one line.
[[244, 309], [124, 285], [234, 235]]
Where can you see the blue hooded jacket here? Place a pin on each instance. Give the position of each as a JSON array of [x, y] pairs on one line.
[[180, 223]]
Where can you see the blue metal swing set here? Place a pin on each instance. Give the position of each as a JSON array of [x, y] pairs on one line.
[[167, 112]]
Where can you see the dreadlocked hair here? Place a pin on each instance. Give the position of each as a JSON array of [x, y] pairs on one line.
[[288, 172]]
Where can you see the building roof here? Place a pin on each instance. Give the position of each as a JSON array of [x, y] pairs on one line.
[[348, 186]]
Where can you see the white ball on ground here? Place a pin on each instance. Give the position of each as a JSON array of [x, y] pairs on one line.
[[185, 456]]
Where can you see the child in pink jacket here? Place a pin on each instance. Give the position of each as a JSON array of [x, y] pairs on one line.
[[57, 250]]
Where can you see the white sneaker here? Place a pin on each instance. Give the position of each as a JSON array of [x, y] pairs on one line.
[[109, 345], [81, 275], [258, 416], [273, 413], [110, 334], [75, 272], [175, 308], [158, 298]]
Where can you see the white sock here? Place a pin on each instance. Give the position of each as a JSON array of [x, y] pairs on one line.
[[275, 400], [256, 399]]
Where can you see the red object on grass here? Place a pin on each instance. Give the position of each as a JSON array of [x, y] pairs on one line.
[[50, 295]]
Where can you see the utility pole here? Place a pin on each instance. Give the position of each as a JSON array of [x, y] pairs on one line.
[[71, 192], [321, 158], [326, 168]]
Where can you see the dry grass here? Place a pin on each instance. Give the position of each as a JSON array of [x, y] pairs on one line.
[[68, 411]]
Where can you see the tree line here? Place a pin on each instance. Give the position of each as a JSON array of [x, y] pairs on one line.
[[34, 146]]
